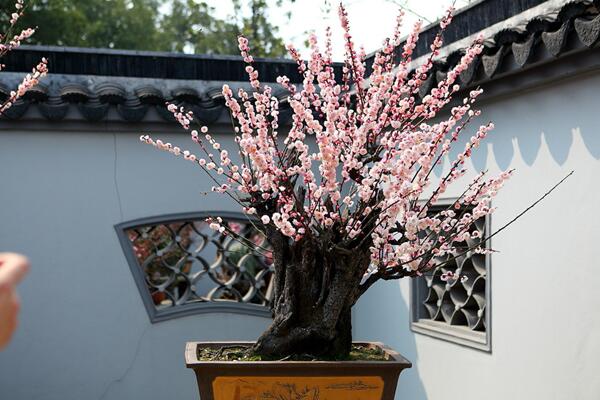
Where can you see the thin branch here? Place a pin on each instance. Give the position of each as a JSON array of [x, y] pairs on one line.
[[404, 6], [487, 238]]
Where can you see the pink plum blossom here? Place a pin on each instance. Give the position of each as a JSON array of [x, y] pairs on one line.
[[368, 177]]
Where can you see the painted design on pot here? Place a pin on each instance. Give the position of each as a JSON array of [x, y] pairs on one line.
[[298, 388]]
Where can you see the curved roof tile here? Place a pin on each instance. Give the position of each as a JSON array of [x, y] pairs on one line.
[[186, 94], [149, 95], [111, 93], [74, 93], [38, 93], [575, 25]]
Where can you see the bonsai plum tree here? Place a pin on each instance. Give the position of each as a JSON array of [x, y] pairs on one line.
[[359, 206]]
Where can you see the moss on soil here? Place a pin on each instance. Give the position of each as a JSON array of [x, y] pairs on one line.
[[245, 353]]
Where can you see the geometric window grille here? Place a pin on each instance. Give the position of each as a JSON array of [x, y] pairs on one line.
[[182, 267], [456, 310]]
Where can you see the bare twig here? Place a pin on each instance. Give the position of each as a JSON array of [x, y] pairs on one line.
[[397, 273]]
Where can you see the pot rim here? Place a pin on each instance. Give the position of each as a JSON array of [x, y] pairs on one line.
[[395, 359]]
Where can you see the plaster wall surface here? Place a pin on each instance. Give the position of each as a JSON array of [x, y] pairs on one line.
[[84, 332]]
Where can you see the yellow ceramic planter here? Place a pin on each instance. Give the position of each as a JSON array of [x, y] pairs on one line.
[[295, 380]]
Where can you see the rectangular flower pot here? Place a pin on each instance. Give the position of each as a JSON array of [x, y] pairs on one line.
[[306, 380]]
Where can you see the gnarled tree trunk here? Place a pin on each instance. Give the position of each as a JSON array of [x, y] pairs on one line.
[[314, 293]]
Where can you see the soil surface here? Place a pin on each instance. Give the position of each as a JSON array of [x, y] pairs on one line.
[[245, 353]]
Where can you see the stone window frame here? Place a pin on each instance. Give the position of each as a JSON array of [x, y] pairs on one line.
[[155, 315], [442, 330]]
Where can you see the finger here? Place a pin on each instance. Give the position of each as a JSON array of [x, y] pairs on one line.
[[9, 311], [13, 267]]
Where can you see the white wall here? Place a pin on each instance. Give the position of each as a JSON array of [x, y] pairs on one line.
[[84, 331], [85, 334], [545, 278]]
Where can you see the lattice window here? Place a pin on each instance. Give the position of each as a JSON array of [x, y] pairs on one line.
[[181, 266], [456, 309]]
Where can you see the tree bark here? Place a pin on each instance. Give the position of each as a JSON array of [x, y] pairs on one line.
[[315, 290]]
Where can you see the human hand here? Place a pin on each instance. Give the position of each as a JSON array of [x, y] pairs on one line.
[[13, 267]]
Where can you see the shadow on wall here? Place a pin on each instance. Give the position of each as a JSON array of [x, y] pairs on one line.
[[552, 115], [391, 325]]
